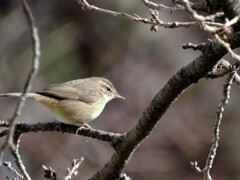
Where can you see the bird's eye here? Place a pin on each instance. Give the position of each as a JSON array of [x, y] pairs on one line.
[[108, 89]]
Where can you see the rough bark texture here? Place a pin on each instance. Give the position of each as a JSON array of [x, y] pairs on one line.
[[186, 76]]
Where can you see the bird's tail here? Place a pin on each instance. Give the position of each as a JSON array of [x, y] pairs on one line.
[[29, 95]]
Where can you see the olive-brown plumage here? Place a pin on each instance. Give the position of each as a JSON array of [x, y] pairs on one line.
[[75, 102]]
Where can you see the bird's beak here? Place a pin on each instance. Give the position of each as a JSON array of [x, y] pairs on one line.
[[119, 96]]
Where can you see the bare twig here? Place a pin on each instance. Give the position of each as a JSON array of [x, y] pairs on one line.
[[73, 171], [158, 7], [212, 17], [155, 21], [11, 169], [18, 161], [237, 79], [227, 46], [202, 21], [49, 173], [87, 7], [194, 165], [4, 123], [195, 47], [203, 47], [36, 55], [232, 22], [216, 129]]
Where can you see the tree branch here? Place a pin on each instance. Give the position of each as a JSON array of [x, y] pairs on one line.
[[18, 161], [155, 6], [8, 165], [87, 7], [36, 55], [186, 76], [21, 128], [216, 129], [73, 171]]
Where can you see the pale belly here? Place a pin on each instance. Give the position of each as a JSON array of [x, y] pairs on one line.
[[72, 111], [75, 112]]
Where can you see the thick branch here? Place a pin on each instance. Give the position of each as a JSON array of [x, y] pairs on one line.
[[186, 76]]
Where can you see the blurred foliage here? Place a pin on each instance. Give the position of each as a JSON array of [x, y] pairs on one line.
[[77, 44]]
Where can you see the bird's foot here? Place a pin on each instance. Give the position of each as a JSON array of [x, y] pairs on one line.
[[83, 126]]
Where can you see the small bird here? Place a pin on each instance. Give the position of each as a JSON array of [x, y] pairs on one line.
[[75, 102]]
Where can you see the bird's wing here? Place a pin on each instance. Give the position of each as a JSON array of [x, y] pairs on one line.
[[88, 92], [60, 91], [81, 92]]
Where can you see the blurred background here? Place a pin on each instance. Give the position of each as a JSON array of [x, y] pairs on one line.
[[77, 44]]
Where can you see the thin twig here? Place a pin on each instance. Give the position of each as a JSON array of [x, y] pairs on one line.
[[212, 17], [195, 47], [201, 20], [36, 55], [216, 129], [158, 7], [11, 169], [18, 160], [49, 173], [73, 171], [87, 7], [237, 79], [212, 30], [227, 46], [194, 165]]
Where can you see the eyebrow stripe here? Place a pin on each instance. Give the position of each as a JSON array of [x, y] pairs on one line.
[[106, 84]]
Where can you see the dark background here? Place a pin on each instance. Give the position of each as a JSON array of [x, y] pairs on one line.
[[77, 44]]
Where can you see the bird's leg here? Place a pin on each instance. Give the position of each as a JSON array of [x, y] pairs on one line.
[[84, 125]]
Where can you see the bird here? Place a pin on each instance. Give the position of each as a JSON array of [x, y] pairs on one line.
[[76, 102]]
